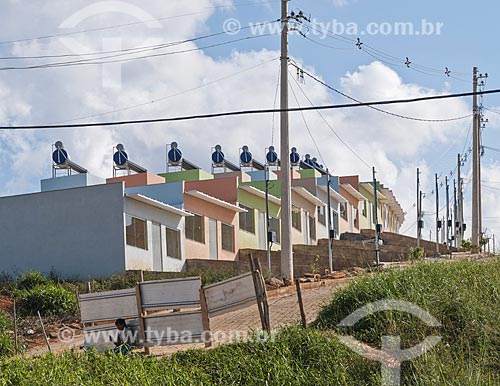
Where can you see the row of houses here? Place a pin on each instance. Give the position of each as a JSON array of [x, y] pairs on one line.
[[82, 225]]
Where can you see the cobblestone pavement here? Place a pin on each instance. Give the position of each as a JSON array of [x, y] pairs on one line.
[[283, 310]]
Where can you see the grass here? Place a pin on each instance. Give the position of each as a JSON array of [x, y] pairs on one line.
[[295, 357], [463, 296]]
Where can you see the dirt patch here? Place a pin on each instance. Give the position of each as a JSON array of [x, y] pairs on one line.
[[6, 304]]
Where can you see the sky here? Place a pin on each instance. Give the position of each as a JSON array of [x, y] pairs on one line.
[[226, 69]]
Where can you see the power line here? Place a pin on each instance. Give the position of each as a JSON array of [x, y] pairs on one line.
[[375, 108], [382, 56], [306, 125], [334, 131], [169, 96], [43, 37], [129, 51], [250, 112], [275, 100], [93, 62]]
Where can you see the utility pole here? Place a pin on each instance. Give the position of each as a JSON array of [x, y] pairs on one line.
[[455, 209], [494, 249], [419, 230], [448, 215], [286, 194], [460, 203], [475, 163], [375, 217], [330, 230], [437, 215], [269, 238]]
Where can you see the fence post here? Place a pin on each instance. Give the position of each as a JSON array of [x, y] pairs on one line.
[[16, 346], [205, 318], [142, 329], [301, 304], [263, 296]]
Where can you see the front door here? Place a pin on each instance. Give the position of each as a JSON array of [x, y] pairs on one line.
[[157, 256], [212, 238]]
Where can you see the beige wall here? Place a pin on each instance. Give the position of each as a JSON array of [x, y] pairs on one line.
[[197, 250]]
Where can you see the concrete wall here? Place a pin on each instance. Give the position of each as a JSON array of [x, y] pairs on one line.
[[140, 179], [187, 175], [394, 239], [171, 193], [314, 258], [142, 259], [260, 175], [77, 232], [225, 189], [200, 265], [68, 182]]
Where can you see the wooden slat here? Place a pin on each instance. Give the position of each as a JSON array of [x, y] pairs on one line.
[[173, 328], [230, 295], [169, 294], [109, 305]]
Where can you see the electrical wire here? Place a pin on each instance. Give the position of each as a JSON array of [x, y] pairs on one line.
[[92, 62], [380, 55], [306, 125], [375, 108], [275, 101], [169, 96], [137, 49], [334, 131], [43, 37], [248, 112]]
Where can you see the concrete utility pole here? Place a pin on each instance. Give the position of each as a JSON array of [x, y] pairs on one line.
[[375, 217], [330, 230], [286, 194], [437, 215], [460, 218], [494, 249], [448, 214], [269, 239], [419, 229], [455, 217], [475, 163]]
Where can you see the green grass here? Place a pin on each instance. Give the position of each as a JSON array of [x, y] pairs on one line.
[[296, 357], [463, 296]]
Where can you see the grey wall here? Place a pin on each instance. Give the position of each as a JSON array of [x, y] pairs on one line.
[[77, 232], [68, 182]]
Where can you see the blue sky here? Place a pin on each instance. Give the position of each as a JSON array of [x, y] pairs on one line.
[[396, 147]]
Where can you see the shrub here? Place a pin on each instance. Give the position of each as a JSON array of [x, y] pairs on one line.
[[416, 254], [31, 279], [50, 299]]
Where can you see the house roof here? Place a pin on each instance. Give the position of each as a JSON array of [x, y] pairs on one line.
[[304, 193], [393, 202], [157, 204], [369, 188], [333, 194], [215, 201], [260, 193], [353, 192]]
